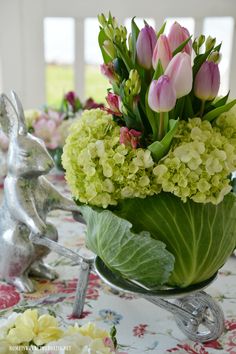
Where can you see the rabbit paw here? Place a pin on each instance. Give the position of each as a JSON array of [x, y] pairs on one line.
[[41, 270], [22, 283]]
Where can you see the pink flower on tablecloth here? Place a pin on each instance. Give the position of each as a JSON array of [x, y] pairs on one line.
[[197, 348], [140, 330], [8, 296], [92, 294], [83, 315], [230, 325], [213, 344], [94, 280], [230, 343]]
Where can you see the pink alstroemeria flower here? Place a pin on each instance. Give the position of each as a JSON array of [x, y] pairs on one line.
[[114, 102], [130, 137], [108, 71], [47, 130]]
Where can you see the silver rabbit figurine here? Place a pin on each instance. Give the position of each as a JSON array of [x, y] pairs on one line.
[[28, 198]]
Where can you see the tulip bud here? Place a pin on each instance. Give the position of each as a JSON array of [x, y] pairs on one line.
[[161, 95], [207, 81], [210, 43], [161, 52], [109, 48], [180, 72], [201, 40], [177, 36], [113, 101], [145, 46]]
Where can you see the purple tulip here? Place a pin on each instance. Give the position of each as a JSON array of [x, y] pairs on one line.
[[162, 96], [145, 46], [180, 72], [161, 52], [178, 35], [207, 81]]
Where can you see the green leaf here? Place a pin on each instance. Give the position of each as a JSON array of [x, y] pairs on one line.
[[135, 32], [101, 38], [162, 29], [219, 110], [200, 236], [160, 148], [188, 108], [221, 101], [181, 46], [159, 71], [152, 116], [135, 256], [122, 53]]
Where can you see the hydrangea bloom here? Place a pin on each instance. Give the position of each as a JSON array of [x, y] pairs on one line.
[[200, 161], [100, 170]]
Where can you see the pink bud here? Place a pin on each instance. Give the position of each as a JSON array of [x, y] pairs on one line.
[[129, 137], [113, 101], [161, 52], [207, 81], [161, 96], [145, 46], [178, 35], [108, 70], [180, 72]]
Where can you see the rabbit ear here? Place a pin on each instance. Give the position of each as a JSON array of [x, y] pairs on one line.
[[22, 129], [8, 116]]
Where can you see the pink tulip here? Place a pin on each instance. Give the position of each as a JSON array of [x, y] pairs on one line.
[[180, 72], [161, 52], [114, 101], [207, 81], [161, 96], [145, 46], [178, 35], [129, 137], [4, 141]]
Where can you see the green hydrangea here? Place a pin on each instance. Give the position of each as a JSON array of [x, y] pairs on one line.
[[200, 160], [99, 170]]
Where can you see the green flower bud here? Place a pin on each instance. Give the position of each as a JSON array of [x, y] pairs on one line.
[[102, 20], [109, 31], [210, 43], [215, 57], [201, 40], [109, 48]]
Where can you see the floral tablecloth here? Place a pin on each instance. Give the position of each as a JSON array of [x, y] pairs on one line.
[[142, 327]]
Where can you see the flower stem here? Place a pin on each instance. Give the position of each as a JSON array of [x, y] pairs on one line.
[[202, 108], [161, 126]]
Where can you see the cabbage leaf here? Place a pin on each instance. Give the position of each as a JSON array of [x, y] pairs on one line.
[[134, 256]]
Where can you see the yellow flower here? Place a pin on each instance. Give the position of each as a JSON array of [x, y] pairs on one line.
[[90, 330], [29, 327]]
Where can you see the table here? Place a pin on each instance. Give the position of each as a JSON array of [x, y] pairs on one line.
[[141, 326]]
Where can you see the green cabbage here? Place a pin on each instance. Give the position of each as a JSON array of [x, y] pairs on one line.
[[198, 238]]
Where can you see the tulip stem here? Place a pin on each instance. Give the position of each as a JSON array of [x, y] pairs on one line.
[[161, 126], [202, 108]]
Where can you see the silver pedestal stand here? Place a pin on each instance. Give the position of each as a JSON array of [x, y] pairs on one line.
[[197, 315]]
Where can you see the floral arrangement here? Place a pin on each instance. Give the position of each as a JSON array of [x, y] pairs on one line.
[[52, 125], [159, 159], [30, 332]]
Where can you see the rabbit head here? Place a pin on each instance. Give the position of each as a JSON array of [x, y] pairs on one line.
[[27, 155]]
